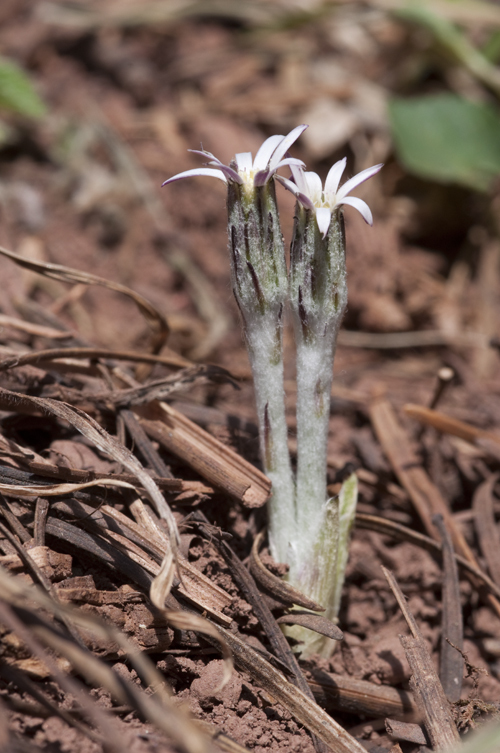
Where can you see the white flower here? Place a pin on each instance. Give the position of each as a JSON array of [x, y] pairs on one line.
[[246, 172], [309, 190]]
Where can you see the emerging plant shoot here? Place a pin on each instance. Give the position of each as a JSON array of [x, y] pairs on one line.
[[306, 530]]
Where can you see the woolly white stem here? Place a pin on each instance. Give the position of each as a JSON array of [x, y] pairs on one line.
[[267, 368]]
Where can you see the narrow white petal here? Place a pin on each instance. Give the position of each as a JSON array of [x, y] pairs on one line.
[[298, 176], [229, 173], [261, 177], [352, 183], [205, 154], [315, 186], [244, 161], [289, 161], [263, 156], [197, 171], [333, 178], [323, 217], [286, 143], [288, 184], [361, 206], [303, 198]]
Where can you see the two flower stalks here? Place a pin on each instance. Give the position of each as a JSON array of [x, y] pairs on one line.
[[306, 530]]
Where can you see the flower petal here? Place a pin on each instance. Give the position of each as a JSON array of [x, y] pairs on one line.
[[303, 198], [261, 177], [289, 161], [314, 186], [352, 183], [323, 218], [333, 178], [285, 145], [298, 176], [197, 171], [229, 172], [203, 153], [263, 156], [244, 161], [361, 206]]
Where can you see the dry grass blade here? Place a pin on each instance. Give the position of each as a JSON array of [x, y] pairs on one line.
[[105, 442], [45, 706], [248, 587], [486, 526], [160, 589], [156, 321], [196, 587], [451, 668], [398, 531], [425, 683], [159, 389], [304, 710], [313, 622], [55, 490], [448, 425], [80, 476], [278, 588], [157, 708], [60, 356], [34, 329], [99, 717]]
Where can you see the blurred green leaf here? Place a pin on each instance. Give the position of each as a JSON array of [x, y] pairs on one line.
[[452, 39], [491, 49], [16, 91], [448, 139]]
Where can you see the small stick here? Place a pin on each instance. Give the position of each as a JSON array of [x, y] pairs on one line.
[[41, 511], [451, 668], [445, 376], [425, 683], [144, 445]]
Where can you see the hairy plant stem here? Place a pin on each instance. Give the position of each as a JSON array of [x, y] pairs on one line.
[[318, 295], [260, 285], [267, 373]]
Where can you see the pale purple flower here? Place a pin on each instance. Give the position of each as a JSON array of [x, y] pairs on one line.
[[309, 190], [252, 173]]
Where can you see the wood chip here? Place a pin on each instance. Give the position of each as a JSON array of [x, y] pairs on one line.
[[412, 733], [348, 694], [216, 462]]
